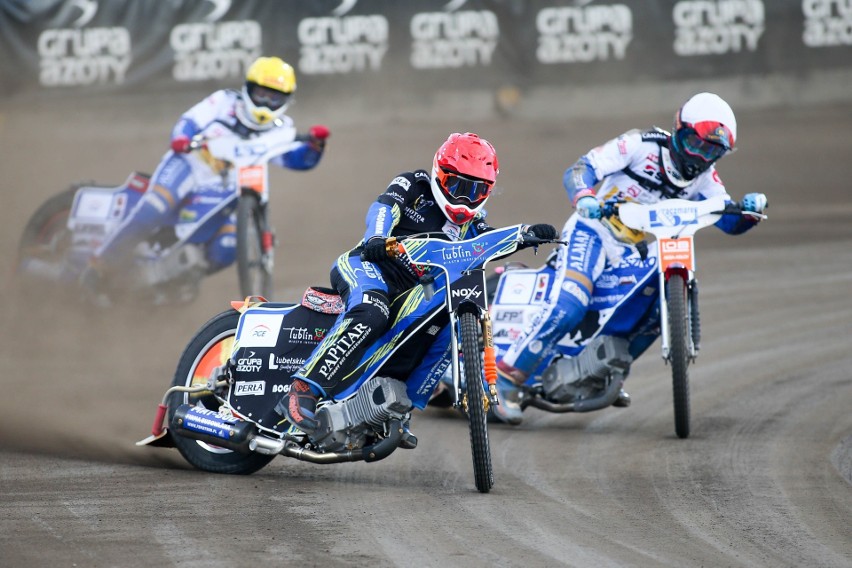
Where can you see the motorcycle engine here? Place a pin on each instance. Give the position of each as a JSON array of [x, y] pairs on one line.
[[345, 425], [576, 378]]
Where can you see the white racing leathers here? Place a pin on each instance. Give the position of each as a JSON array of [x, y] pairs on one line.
[[635, 166], [178, 174]]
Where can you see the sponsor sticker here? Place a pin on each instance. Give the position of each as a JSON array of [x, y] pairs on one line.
[[517, 288], [259, 329], [249, 388]]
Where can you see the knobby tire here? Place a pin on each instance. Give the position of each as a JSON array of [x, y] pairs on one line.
[[679, 335], [206, 457], [46, 233], [476, 415], [255, 278]]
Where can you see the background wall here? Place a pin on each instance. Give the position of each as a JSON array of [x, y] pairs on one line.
[[457, 57]]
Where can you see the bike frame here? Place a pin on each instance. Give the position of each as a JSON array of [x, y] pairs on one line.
[[463, 268]]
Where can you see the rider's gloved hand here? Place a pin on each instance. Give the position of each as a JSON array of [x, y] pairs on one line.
[[588, 207], [375, 250], [544, 231], [181, 144], [756, 202], [319, 133]]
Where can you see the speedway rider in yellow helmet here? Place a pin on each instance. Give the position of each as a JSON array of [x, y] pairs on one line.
[[258, 107]]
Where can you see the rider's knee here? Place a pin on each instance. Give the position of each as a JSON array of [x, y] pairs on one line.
[[222, 251], [373, 309]]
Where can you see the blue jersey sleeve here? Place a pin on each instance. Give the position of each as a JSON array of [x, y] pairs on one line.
[[305, 157], [579, 180], [733, 224], [380, 220], [185, 127]]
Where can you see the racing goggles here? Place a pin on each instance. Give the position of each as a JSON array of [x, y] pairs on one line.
[[266, 97], [711, 143], [461, 188]]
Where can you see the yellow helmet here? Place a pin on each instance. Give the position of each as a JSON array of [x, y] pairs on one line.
[[270, 83]]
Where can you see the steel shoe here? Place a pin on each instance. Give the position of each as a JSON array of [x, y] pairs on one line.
[[623, 400]]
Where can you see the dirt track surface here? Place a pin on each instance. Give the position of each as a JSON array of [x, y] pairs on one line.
[[764, 480]]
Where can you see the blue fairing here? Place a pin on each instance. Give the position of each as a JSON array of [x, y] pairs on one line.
[[205, 211], [414, 312]]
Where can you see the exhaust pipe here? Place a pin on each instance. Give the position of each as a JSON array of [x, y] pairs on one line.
[[240, 436], [206, 425], [606, 398]]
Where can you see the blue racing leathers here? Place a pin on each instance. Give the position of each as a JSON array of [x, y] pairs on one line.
[[635, 166]]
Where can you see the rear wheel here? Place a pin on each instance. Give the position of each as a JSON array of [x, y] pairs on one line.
[[210, 348], [254, 248], [679, 351], [46, 236], [475, 392]]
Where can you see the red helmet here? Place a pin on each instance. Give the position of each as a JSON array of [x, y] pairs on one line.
[[463, 174]]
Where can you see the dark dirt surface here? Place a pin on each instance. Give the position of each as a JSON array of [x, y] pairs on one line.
[[764, 480]]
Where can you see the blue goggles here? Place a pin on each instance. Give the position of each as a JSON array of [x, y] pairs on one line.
[[464, 188]]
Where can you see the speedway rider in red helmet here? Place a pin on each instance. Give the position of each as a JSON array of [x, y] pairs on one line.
[[643, 166], [449, 199]]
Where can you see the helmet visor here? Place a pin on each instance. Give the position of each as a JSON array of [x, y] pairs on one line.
[[265, 97], [461, 188], [695, 145]]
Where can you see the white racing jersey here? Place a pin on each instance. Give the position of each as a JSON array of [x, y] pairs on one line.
[[637, 166], [217, 116]]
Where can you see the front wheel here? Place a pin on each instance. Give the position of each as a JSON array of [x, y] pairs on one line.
[[210, 348], [475, 393], [254, 248], [679, 329]]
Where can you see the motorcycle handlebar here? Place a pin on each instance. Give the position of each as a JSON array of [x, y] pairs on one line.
[[610, 209], [530, 240]]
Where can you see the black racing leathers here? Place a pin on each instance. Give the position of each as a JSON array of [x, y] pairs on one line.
[[405, 208]]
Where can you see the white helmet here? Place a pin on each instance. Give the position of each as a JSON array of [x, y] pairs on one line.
[[705, 130]]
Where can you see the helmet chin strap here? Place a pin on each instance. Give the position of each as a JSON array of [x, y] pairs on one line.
[[673, 174], [458, 215], [245, 118]]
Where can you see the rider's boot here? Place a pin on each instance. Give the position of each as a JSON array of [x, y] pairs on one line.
[[92, 283], [509, 410], [408, 440], [300, 406]]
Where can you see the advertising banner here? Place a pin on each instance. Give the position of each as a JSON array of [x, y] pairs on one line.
[[372, 47]]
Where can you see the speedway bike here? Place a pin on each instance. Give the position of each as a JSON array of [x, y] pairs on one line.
[[167, 267], [650, 292], [240, 364]]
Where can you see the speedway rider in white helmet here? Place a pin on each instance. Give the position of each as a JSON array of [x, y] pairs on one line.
[[642, 166], [268, 89]]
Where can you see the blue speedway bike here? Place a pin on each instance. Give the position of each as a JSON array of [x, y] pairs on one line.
[[168, 266], [647, 294], [239, 365]]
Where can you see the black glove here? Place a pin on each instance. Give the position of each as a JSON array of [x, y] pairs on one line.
[[375, 250], [544, 232]]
